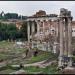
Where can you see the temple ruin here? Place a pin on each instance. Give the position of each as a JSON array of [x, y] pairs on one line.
[[54, 33]]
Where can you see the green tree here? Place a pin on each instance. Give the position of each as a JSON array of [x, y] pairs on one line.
[[11, 16], [24, 30], [12, 31], [8, 31]]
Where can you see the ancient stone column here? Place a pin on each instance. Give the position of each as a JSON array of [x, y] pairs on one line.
[[38, 27], [51, 36], [49, 30], [49, 27], [61, 42], [55, 31], [58, 31], [66, 15], [43, 26], [33, 27], [66, 37], [49, 24], [46, 46], [69, 41], [38, 30], [28, 31], [69, 37], [33, 31], [56, 35]]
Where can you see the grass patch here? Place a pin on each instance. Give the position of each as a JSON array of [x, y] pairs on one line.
[[32, 69], [52, 69], [43, 56], [9, 52], [7, 71], [4, 44], [39, 58]]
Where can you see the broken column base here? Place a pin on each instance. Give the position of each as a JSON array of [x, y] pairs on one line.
[[60, 63], [70, 62], [64, 61]]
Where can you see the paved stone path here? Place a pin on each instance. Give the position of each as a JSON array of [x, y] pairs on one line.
[[23, 72], [39, 64], [68, 70], [71, 68], [18, 72]]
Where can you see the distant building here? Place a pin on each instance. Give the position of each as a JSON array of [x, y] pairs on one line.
[[40, 13]]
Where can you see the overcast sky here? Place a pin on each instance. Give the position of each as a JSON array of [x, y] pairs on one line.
[[28, 8]]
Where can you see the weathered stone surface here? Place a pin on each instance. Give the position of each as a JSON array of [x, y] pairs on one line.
[[69, 70]]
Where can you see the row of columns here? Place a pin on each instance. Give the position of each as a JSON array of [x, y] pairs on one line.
[[38, 30], [65, 40], [64, 37]]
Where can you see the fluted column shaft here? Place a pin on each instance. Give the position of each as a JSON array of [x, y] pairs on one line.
[[28, 31], [33, 27], [66, 37], [69, 37], [61, 42]]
